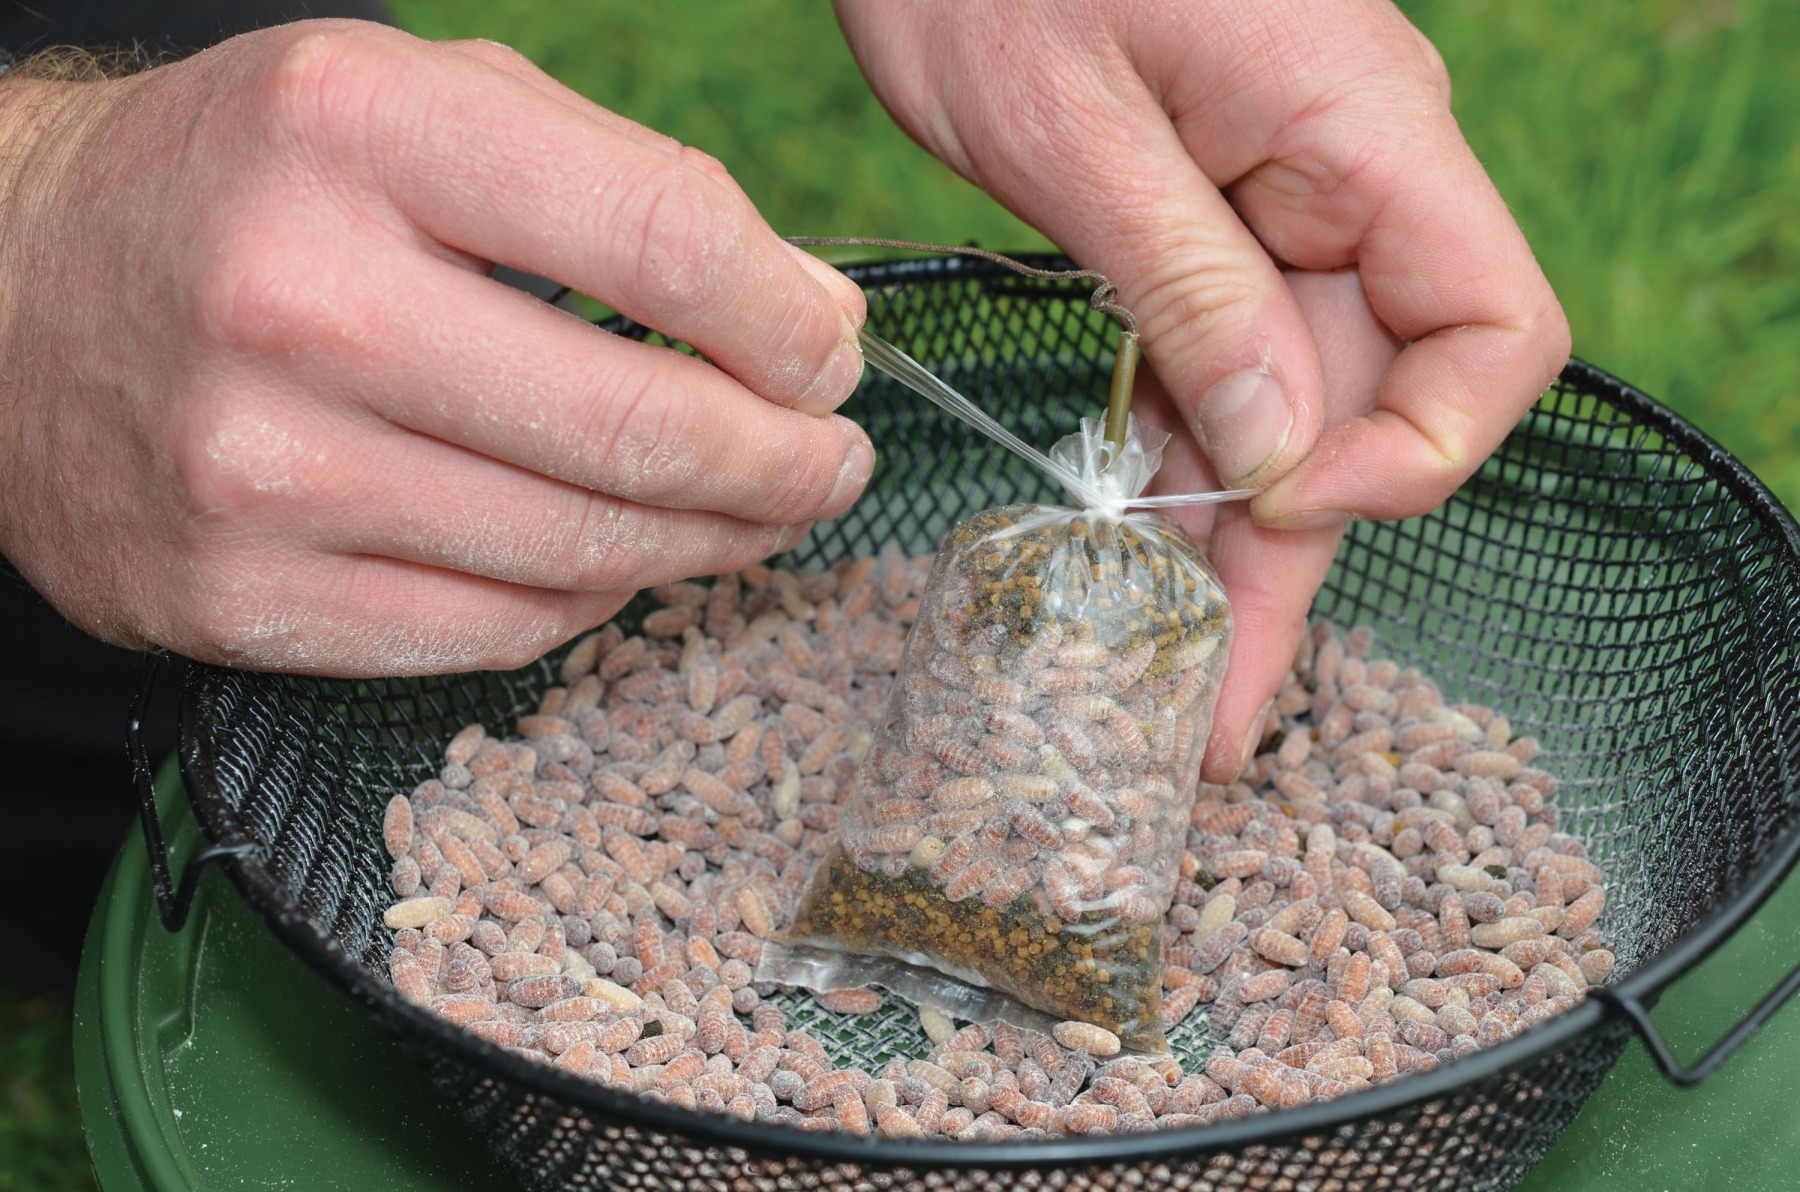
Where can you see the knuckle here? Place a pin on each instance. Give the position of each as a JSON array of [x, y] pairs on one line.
[[645, 432], [232, 459], [1432, 67], [265, 296], [1432, 477], [800, 488], [1187, 307], [1450, 456], [608, 546], [1445, 473], [321, 80], [257, 297], [1437, 74], [1361, 83], [682, 233], [705, 163], [1333, 147]]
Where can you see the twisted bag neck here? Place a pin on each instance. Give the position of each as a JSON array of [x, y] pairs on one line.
[[1111, 477]]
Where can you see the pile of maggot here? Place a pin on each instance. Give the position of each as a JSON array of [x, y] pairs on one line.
[[1385, 890]]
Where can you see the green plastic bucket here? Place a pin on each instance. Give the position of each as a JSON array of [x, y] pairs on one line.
[[211, 1058]]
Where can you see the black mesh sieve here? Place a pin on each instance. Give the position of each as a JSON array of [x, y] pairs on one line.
[[1610, 580]]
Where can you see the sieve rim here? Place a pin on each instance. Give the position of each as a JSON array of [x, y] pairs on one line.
[[278, 910]]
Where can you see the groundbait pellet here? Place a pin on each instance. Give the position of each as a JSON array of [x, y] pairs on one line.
[[1390, 895]]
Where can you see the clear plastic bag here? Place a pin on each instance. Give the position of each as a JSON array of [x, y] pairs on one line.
[[1019, 819]]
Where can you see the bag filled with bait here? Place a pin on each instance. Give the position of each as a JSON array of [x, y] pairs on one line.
[[1018, 821]]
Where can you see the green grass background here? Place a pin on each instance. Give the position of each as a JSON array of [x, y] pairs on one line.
[[1649, 148]]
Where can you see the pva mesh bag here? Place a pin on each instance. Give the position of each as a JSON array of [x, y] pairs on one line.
[[1019, 819]]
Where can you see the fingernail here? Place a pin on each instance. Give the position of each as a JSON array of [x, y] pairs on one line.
[[851, 478], [1257, 728], [847, 293], [1243, 423], [1315, 519], [791, 537], [837, 379]]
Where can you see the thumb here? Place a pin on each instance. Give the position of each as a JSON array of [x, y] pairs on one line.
[[1104, 174]]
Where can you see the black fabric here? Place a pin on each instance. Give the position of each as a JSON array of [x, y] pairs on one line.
[[64, 783], [28, 25], [64, 697]]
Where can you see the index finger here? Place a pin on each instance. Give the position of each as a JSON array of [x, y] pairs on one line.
[[481, 161]]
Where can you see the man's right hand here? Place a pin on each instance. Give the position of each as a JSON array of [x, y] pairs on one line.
[[260, 403]]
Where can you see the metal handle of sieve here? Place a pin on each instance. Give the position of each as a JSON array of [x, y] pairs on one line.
[[1712, 1061], [1633, 996], [173, 901]]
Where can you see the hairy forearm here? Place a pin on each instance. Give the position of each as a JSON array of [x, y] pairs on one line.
[[42, 101], [29, 107], [36, 91], [36, 94]]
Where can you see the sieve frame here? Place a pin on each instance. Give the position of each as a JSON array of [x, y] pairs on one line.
[[1616, 1009]]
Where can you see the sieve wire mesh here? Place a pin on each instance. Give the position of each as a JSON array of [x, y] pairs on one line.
[[1610, 580]]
